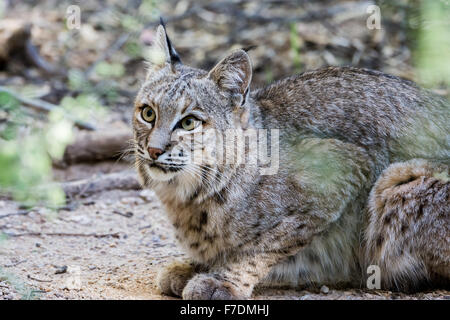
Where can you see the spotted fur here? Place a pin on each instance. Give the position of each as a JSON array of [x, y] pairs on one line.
[[313, 222], [409, 224]]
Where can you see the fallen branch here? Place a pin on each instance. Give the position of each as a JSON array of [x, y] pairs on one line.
[[98, 145], [36, 279], [62, 234], [126, 180], [33, 55], [19, 213], [14, 264], [41, 105], [127, 214]]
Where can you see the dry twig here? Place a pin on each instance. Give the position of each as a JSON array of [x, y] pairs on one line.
[[63, 234]]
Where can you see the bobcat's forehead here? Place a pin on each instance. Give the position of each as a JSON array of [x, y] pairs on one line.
[[170, 90]]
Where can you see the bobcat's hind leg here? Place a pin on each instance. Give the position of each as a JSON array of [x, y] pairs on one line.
[[408, 232]]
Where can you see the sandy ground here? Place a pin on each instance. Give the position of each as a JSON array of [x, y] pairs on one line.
[[109, 247]]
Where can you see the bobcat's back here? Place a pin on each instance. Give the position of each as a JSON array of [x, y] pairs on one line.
[[383, 113]]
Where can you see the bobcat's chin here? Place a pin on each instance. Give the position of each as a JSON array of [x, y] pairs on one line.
[[161, 174]]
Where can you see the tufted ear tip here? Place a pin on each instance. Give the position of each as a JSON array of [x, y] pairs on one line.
[[162, 52], [173, 54], [233, 73]]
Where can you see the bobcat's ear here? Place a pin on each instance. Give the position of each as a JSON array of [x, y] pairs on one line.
[[162, 52], [233, 73]]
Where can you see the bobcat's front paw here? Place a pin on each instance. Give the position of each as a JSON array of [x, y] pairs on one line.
[[206, 287], [173, 278]]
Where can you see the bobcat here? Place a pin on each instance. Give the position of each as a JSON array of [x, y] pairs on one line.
[[362, 177]]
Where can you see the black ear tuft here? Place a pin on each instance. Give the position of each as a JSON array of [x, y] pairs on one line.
[[247, 49], [174, 57]]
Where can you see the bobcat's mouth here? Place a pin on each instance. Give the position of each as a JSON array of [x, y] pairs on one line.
[[166, 167]]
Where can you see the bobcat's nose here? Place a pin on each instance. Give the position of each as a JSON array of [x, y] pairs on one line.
[[155, 152]]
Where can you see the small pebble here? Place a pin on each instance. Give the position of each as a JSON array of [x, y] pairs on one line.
[[81, 219], [324, 289], [132, 200], [60, 270]]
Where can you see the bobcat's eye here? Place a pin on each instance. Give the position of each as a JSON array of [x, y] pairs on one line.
[[189, 123], [148, 114]]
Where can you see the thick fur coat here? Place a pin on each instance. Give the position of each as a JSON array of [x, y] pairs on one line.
[[361, 179]]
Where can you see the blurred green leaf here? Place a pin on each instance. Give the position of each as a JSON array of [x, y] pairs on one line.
[[8, 102], [130, 23], [26, 158], [149, 9], [33, 91], [133, 49], [268, 75], [433, 52], [58, 135], [77, 80], [83, 107], [10, 116], [107, 70]]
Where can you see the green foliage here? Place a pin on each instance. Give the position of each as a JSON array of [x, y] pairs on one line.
[[77, 81], [26, 153], [149, 9], [130, 23], [105, 88], [26, 166], [58, 134], [321, 164], [134, 49], [268, 75], [108, 70], [433, 52], [10, 115], [26, 292], [83, 106], [295, 47]]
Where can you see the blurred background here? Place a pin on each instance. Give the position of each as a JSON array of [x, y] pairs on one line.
[[86, 57], [69, 72]]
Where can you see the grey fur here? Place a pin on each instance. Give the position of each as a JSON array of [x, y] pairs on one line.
[[344, 133]]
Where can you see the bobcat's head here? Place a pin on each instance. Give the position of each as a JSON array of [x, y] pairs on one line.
[[177, 105]]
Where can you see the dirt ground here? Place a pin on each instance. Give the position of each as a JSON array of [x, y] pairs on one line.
[[109, 247]]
